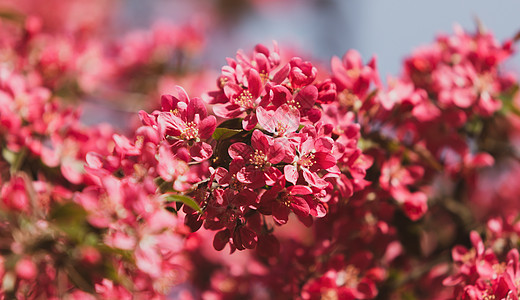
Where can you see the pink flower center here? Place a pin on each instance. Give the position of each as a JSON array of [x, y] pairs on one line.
[[175, 112], [499, 268], [258, 159], [281, 128], [236, 185], [354, 73], [293, 104], [191, 132], [348, 277], [307, 160], [230, 217], [468, 257], [223, 81], [264, 76], [330, 294], [285, 199], [245, 100], [139, 141]]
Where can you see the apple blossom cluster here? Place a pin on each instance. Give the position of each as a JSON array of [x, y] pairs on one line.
[[321, 184], [480, 275], [271, 155], [394, 152], [70, 228]]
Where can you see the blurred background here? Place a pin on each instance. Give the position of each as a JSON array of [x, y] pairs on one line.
[[318, 28], [323, 28]]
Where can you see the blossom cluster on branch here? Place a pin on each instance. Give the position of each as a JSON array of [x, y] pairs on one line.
[[319, 184]]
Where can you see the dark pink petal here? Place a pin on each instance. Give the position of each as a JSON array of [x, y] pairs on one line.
[[262, 62], [207, 127], [170, 124], [372, 64], [476, 240], [415, 205], [245, 238], [299, 206], [240, 150], [168, 102], [254, 83], [480, 160], [272, 176], [323, 144], [324, 160], [201, 151], [314, 180], [326, 91], [196, 107], [426, 111], [279, 95], [280, 213], [317, 209], [282, 74], [148, 135], [344, 185], [302, 72], [251, 176], [193, 220], [291, 174], [221, 239], [147, 119], [231, 90], [123, 145], [262, 49], [307, 96], [227, 110], [246, 197], [299, 190], [276, 153], [314, 114], [249, 122], [182, 95]]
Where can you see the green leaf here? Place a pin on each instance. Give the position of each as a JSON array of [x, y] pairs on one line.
[[68, 213], [185, 200], [224, 133], [15, 159], [70, 219], [507, 98]]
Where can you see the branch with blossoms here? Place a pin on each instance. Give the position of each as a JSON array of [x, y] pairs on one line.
[[324, 149]]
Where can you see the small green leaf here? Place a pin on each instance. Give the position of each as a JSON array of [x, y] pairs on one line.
[[15, 159], [68, 212], [507, 100], [184, 199], [224, 133]]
